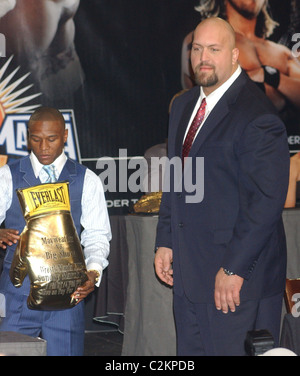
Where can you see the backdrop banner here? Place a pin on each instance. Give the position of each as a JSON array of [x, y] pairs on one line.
[[113, 66]]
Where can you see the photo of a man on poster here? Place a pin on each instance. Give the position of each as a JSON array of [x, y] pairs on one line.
[[40, 36], [272, 65]]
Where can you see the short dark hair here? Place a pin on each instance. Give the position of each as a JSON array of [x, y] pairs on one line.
[[46, 113]]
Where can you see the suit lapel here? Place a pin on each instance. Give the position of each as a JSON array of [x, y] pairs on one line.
[[213, 120], [183, 123], [27, 171], [219, 112], [68, 172]]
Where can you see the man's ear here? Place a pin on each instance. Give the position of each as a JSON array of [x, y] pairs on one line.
[[235, 55], [66, 135]]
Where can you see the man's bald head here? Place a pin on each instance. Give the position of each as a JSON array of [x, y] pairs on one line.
[[221, 24]]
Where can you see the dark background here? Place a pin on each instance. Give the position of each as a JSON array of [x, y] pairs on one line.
[[130, 52]]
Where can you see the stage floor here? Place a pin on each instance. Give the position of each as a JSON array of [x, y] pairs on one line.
[[103, 343]]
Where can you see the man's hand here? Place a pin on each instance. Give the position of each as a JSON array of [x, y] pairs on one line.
[[8, 236], [163, 265], [89, 286], [227, 291]]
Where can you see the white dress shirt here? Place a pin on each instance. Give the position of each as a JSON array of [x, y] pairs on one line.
[[212, 99], [96, 232]]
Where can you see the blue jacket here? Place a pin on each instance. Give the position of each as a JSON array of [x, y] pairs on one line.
[[237, 223]]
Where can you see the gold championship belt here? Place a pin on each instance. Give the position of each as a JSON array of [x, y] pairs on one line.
[[49, 249], [148, 203]]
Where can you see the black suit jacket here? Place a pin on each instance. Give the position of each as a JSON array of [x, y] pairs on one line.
[[239, 172]]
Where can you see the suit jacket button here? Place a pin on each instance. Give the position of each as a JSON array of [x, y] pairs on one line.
[[180, 224]]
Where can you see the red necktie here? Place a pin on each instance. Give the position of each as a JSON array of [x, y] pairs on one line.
[[198, 119]]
